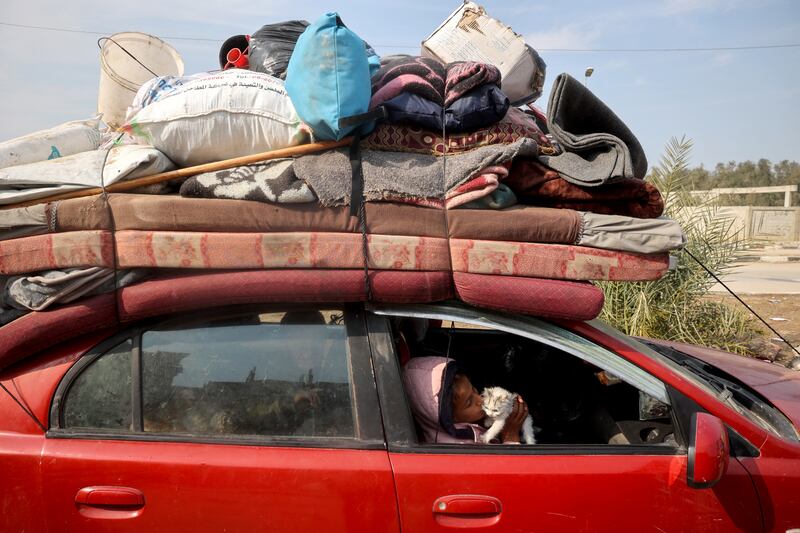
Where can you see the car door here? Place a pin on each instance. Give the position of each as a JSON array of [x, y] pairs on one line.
[[547, 487], [248, 421]]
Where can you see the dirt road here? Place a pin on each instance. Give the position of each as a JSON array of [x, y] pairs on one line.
[[782, 312]]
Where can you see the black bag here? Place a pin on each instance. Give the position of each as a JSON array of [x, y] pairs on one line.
[[272, 46]]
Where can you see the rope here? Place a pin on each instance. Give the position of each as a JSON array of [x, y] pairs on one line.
[[104, 194], [742, 301], [357, 197], [25, 409], [124, 50], [362, 216]]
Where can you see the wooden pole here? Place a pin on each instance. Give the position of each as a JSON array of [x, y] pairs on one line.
[[122, 186]]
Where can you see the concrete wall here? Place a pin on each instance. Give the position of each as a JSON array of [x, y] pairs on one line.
[[777, 224], [774, 223]]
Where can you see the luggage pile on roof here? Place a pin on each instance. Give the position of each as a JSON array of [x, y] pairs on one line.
[[308, 157]]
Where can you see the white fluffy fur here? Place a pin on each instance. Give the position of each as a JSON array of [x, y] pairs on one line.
[[498, 404]]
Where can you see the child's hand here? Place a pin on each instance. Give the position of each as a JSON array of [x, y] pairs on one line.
[[514, 421]]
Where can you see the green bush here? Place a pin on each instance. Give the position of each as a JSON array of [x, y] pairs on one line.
[[675, 307]]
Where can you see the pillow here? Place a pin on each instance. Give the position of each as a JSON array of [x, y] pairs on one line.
[[231, 114]]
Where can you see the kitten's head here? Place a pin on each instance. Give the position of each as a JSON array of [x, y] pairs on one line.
[[497, 402]]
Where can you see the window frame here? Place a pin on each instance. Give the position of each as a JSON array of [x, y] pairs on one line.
[[398, 420], [366, 414]]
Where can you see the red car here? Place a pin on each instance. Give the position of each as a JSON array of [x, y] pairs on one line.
[[283, 418]]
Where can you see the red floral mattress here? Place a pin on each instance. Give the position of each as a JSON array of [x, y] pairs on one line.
[[211, 250]]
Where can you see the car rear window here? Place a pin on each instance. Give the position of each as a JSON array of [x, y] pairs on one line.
[[277, 376], [100, 397]]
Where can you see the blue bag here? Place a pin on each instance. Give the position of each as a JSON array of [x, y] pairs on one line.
[[328, 79]]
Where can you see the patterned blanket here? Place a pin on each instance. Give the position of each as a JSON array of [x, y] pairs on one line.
[[430, 79], [273, 181], [516, 125]]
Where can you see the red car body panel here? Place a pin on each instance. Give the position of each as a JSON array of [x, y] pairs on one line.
[[574, 493], [301, 489], [340, 490], [777, 384], [192, 487], [776, 472]]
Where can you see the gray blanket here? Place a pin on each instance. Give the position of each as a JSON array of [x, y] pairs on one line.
[[37, 292], [597, 145], [271, 181], [392, 175]]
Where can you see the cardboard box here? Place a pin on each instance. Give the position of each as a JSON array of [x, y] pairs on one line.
[[469, 34]]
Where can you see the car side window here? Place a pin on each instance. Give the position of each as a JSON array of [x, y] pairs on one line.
[[283, 374], [100, 397], [571, 400]]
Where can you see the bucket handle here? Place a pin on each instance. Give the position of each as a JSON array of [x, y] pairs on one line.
[[124, 50]]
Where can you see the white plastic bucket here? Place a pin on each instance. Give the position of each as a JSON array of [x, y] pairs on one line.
[[121, 75]]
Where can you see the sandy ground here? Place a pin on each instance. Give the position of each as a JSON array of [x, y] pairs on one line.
[[782, 312]]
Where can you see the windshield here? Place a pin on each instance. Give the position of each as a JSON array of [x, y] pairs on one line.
[[714, 381], [741, 397]]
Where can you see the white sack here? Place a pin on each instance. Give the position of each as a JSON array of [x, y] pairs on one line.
[[60, 141], [80, 171], [158, 88], [230, 114]]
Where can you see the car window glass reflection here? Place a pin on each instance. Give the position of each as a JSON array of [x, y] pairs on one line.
[[276, 374], [101, 396]]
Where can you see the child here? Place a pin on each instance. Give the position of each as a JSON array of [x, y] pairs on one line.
[[446, 405]]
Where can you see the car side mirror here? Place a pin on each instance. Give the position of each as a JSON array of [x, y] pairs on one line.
[[709, 451]]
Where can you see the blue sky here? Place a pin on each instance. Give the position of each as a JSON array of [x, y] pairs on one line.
[[735, 105]]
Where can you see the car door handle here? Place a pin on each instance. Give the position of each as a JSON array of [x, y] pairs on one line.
[[466, 505], [107, 497]]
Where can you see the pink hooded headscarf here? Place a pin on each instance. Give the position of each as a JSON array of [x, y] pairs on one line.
[[423, 378]]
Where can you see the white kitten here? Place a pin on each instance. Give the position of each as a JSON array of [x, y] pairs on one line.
[[498, 404]]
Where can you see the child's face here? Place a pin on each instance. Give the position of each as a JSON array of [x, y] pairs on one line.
[[466, 401]]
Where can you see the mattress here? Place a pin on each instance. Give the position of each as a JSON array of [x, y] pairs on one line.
[[56, 251], [293, 250], [172, 293], [174, 213], [570, 300], [555, 261], [521, 259]]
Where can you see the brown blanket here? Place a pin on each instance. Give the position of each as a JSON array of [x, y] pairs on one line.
[[536, 184]]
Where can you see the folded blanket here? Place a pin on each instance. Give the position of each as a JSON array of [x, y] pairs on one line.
[[515, 125], [272, 181], [537, 185], [597, 145], [464, 76], [423, 76], [39, 291], [430, 79], [80, 171], [398, 174], [473, 190], [479, 108], [478, 187]]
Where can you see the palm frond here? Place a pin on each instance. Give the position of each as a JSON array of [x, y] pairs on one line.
[[675, 307]]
